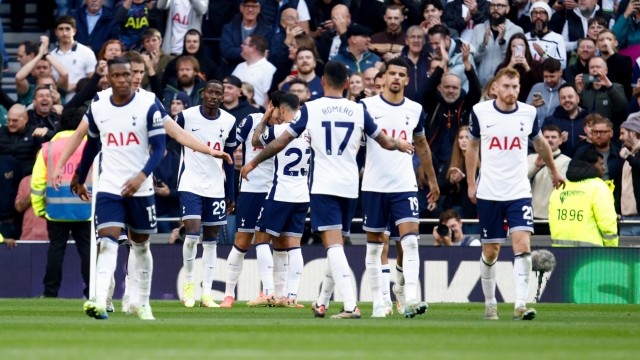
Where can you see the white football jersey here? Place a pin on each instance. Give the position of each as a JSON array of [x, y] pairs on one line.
[[106, 94], [503, 146], [124, 132], [260, 178], [199, 173], [291, 167], [391, 171], [335, 126]]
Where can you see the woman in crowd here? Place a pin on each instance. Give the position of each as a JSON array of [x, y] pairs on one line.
[[453, 183], [519, 57], [488, 92], [356, 86], [111, 49], [248, 91]]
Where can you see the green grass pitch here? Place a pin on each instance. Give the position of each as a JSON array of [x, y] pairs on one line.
[[58, 329]]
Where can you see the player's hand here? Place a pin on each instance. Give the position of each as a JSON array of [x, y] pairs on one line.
[[132, 185], [56, 177], [231, 206], [162, 190], [405, 147], [221, 155], [558, 179], [84, 193], [74, 185], [40, 132], [244, 172], [434, 192], [11, 243], [472, 190]]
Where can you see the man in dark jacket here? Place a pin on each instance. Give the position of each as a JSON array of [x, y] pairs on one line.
[[417, 54], [602, 132], [42, 116], [569, 23], [234, 102], [188, 81], [17, 139], [587, 49], [602, 96], [569, 117], [192, 46], [336, 38], [235, 32], [94, 25], [451, 107]]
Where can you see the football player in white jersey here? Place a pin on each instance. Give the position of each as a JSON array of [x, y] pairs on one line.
[[284, 212], [389, 185], [128, 126], [252, 194], [335, 127], [180, 135], [202, 187], [500, 128]]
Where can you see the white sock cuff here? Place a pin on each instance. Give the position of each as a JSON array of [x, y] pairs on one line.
[[399, 268], [386, 267], [209, 244], [487, 262], [192, 239], [140, 246], [409, 242]]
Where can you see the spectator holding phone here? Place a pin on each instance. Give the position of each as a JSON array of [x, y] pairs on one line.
[[519, 57], [587, 49], [598, 94], [544, 95]]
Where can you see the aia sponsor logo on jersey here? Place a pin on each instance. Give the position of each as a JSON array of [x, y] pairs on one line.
[[396, 134], [216, 146], [505, 143], [122, 139]]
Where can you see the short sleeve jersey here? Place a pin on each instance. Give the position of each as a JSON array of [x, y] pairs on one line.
[[260, 178], [106, 94], [391, 171], [503, 145], [124, 131], [335, 126], [200, 173], [290, 167]]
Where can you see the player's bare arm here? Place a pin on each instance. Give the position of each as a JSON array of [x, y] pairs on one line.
[[424, 154], [544, 151], [471, 159], [184, 138], [269, 151], [390, 143], [262, 125]]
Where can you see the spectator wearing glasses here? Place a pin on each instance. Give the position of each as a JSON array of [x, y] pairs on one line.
[[601, 133], [235, 33], [587, 49], [300, 88], [490, 39], [256, 69]]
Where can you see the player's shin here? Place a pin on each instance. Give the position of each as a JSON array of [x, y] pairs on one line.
[[105, 267], [144, 268], [488, 279], [386, 283], [134, 287], [294, 271], [521, 274], [209, 255], [265, 268], [342, 275], [327, 286], [411, 264], [374, 271], [189, 251], [280, 270], [235, 261]]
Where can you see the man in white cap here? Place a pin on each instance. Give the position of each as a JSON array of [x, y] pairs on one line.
[[543, 42]]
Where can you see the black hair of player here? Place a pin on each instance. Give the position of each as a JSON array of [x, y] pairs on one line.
[[213, 81], [275, 97], [71, 118], [398, 61], [118, 60], [290, 102], [379, 75], [336, 75]]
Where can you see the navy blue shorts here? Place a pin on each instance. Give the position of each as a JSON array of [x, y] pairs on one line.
[[248, 208], [329, 212], [282, 218], [519, 215], [382, 209], [392, 232], [211, 211], [138, 213]]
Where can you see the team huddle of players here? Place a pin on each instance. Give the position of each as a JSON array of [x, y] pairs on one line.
[[296, 159]]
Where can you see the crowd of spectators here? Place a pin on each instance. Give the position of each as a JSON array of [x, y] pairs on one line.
[[579, 64]]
